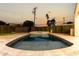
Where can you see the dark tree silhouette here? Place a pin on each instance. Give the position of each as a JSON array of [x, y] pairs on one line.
[[69, 22], [53, 22], [28, 24], [47, 16], [8, 24], [2, 23], [49, 22]]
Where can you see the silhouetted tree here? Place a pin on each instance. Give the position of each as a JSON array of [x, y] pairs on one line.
[[47, 16], [53, 22], [28, 24], [7, 24], [49, 22], [2, 23], [69, 22]]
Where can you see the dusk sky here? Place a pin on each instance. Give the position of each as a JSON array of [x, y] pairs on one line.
[[19, 12]]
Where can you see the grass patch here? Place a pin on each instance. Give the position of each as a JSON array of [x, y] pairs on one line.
[[1, 34]]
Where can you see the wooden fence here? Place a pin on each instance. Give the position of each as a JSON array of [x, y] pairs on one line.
[[6, 29], [58, 29]]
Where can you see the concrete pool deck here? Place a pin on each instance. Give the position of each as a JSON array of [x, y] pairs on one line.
[[68, 51]]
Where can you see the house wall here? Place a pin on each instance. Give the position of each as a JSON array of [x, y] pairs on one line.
[[77, 20]]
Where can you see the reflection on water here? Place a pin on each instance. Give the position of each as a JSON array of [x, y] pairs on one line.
[[39, 45], [40, 42]]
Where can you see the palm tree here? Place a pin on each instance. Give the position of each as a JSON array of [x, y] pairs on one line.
[[53, 21], [34, 12], [48, 21], [47, 16]]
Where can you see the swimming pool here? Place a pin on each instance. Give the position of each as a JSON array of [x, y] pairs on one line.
[[38, 42]]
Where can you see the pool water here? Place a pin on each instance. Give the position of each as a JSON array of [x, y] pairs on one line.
[[39, 42], [37, 37]]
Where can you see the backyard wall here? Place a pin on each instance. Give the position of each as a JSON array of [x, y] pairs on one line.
[[65, 29], [21, 29], [58, 29], [6, 29]]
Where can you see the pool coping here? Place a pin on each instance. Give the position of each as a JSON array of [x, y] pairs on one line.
[[72, 50]]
